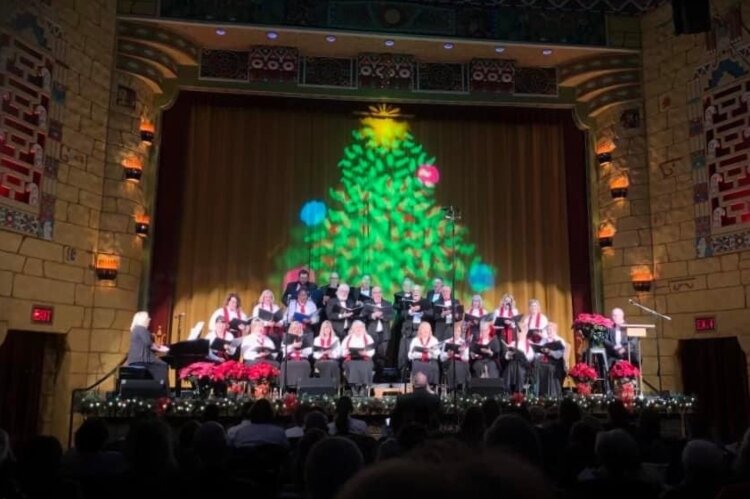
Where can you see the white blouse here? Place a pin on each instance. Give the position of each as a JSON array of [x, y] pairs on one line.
[[432, 343], [357, 342], [253, 341], [332, 354]]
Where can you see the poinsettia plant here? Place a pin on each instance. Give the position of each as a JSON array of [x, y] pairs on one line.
[[197, 370], [624, 370], [582, 373], [593, 327], [262, 372]]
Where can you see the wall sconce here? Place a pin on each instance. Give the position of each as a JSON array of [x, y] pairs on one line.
[[147, 130], [133, 168], [606, 234], [642, 280], [142, 223], [618, 186], [604, 150], [107, 266]]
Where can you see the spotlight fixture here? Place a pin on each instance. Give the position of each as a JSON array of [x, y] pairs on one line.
[[330, 38], [547, 52], [642, 280], [142, 223], [107, 266], [604, 148], [390, 43], [606, 234], [618, 186], [499, 50], [133, 167], [272, 35], [147, 130], [448, 46], [221, 31]]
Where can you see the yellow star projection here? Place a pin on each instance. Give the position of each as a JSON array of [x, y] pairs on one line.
[[384, 132]]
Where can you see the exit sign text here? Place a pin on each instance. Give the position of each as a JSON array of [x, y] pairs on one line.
[[705, 324]]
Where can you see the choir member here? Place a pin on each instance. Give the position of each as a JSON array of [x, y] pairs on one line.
[[142, 351], [231, 311], [266, 305], [484, 352], [302, 305], [446, 312], [302, 282], [220, 332], [505, 311], [327, 352], [416, 309], [519, 356], [562, 364], [534, 320], [424, 352], [325, 293], [257, 347], [548, 356], [473, 316], [398, 307], [297, 349], [405, 293], [434, 294], [617, 343], [340, 310], [379, 313], [364, 292], [456, 363], [357, 350]]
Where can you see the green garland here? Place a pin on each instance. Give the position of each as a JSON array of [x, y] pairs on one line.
[[96, 404]]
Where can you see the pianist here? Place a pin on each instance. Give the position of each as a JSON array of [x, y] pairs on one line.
[[142, 352]]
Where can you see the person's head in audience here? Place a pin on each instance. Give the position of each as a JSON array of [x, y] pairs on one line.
[[307, 442], [41, 457], [315, 420], [537, 415], [211, 444], [569, 412], [703, 463], [649, 424], [617, 452], [475, 475], [473, 427], [344, 408], [91, 436], [388, 449], [329, 465], [186, 436], [211, 412], [261, 412], [411, 436], [516, 435], [420, 379], [245, 410], [148, 448], [491, 411]]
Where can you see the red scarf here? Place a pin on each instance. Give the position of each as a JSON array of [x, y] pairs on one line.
[[531, 319], [326, 344], [296, 354], [425, 354]]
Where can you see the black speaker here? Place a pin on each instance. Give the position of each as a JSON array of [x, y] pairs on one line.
[[145, 388], [486, 386], [134, 372], [691, 16], [316, 386]]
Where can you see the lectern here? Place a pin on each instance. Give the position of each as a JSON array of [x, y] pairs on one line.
[[638, 331]]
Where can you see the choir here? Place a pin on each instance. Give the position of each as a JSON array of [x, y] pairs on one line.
[[343, 334]]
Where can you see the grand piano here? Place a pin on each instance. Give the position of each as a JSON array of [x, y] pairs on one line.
[[184, 353]]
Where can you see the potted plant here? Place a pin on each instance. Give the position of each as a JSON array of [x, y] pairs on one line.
[[593, 328], [583, 375], [623, 375]]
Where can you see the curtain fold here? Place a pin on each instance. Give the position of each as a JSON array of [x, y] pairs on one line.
[[252, 162]]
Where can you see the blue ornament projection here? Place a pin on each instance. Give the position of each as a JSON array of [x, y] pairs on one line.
[[313, 213], [481, 277]]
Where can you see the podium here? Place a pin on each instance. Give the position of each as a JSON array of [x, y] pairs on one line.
[[637, 331]]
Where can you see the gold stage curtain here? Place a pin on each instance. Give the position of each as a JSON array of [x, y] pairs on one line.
[[252, 162]]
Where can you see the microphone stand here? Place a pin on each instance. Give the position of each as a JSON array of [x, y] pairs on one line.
[[452, 214], [662, 318]]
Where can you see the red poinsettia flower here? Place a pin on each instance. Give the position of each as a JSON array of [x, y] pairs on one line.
[[622, 369], [197, 370], [582, 372], [518, 398]]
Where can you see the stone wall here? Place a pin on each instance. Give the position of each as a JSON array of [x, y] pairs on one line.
[[93, 206], [686, 285]]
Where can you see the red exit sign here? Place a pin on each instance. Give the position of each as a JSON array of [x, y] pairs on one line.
[[41, 314], [705, 324]]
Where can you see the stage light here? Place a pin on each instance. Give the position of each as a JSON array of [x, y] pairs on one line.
[[147, 130], [547, 52], [272, 35], [448, 46], [142, 223], [390, 43], [606, 234], [331, 38], [499, 50], [133, 167], [221, 32], [618, 186], [642, 279], [107, 266]]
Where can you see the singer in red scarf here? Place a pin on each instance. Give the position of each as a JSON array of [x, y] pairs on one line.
[[297, 349], [507, 310], [424, 353]]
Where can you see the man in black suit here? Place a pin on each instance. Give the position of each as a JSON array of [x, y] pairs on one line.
[[617, 341], [379, 313], [338, 310], [433, 295], [420, 407], [303, 281]]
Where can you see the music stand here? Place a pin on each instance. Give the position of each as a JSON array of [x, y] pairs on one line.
[[637, 331]]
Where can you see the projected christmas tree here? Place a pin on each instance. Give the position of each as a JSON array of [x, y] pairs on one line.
[[383, 218]]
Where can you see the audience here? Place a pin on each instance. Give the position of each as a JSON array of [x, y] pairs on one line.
[[540, 453]]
